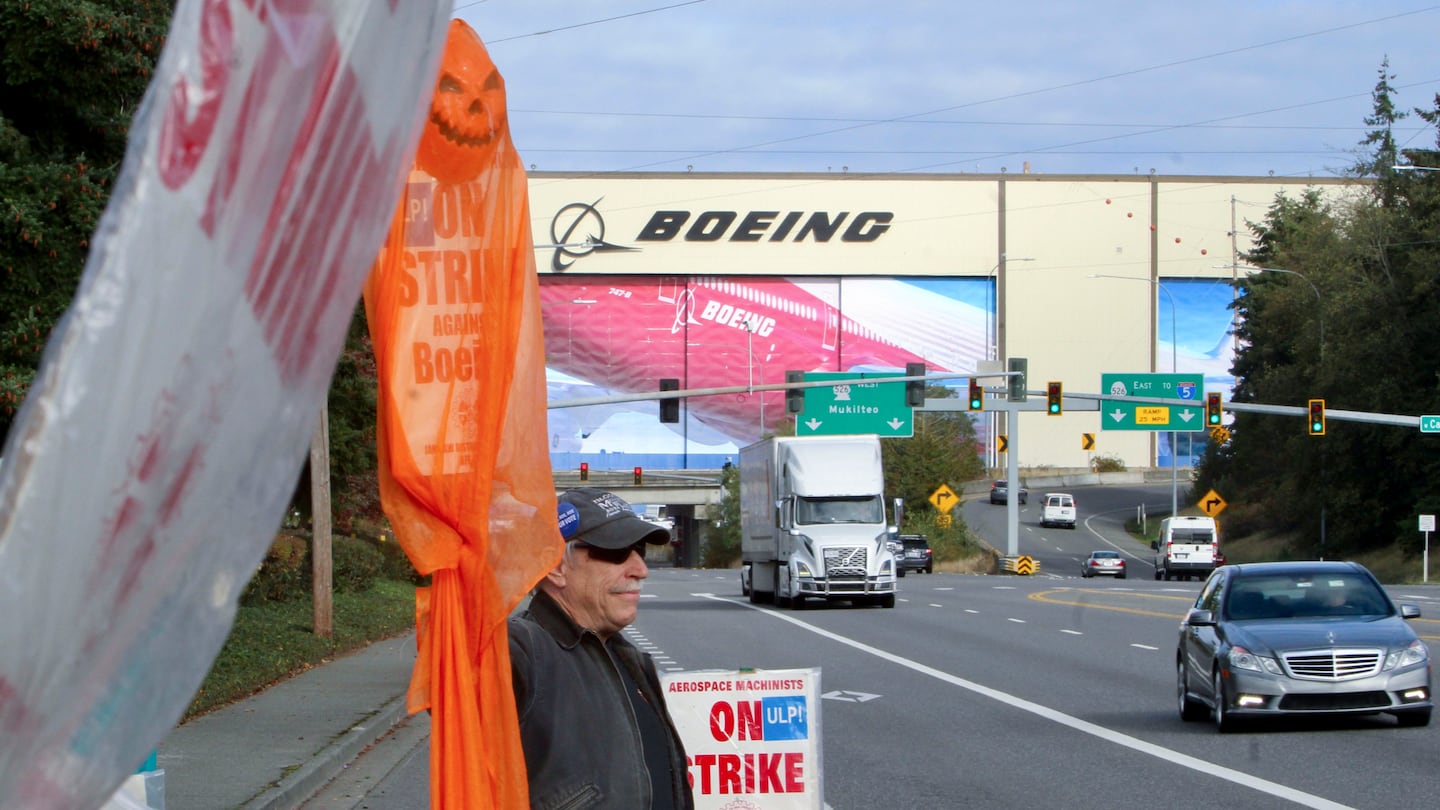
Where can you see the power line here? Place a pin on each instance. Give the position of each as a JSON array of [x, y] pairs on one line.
[[911, 118]]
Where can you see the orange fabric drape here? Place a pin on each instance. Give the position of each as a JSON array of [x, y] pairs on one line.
[[454, 316]]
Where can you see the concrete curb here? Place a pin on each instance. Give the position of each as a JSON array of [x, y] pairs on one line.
[[301, 784]]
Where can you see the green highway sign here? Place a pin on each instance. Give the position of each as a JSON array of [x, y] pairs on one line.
[[1186, 414], [858, 402], [1430, 424]]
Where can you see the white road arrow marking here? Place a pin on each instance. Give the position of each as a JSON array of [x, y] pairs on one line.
[[849, 697]]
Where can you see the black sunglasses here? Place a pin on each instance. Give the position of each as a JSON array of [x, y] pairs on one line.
[[614, 556]]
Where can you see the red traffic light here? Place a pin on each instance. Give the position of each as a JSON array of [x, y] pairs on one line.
[[1213, 413], [639, 475], [584, 471]]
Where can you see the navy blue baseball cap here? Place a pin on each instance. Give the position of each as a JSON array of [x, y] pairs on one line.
[[604, 519]]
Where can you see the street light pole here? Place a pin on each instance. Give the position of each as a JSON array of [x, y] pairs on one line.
[[992, 304], [992, 336], [1174, 369], [750, 326]]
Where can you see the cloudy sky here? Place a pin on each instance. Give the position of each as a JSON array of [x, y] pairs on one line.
[[1104, 86]]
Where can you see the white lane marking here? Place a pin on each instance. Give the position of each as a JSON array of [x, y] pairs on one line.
[[936, 604], [1004, 587], [946, 588], [1072, 632], [1145, 647], [968, 610], [1084, 726], [1017, 621]]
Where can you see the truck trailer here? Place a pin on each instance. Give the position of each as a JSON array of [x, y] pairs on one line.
[[813, 522]]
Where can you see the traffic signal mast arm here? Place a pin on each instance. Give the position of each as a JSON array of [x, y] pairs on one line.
[[1075, 401], [647, 396]]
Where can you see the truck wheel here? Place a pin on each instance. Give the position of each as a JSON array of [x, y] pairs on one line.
[[887, 601], [900, 571]]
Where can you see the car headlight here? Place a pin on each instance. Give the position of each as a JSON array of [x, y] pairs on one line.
[[802, 570], [1416, 653], [1241, 658]]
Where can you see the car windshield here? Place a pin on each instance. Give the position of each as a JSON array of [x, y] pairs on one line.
[[1105, 555], [1192, 536], [1306, 596], [859, 509]]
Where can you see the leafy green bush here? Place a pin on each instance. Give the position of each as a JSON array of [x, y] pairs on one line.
[[1107, 463], [947, 544], [283, 575], [356, 564]]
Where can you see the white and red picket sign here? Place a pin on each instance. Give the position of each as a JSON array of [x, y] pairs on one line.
[[752, 737], [151, 464]]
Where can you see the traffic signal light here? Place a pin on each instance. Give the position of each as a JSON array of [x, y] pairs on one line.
[[794, 397], [639, 476], [977, 396], [584, 471], [1317, 417], [1054, 399], [915, 389], [1213, 414], [669, 408]]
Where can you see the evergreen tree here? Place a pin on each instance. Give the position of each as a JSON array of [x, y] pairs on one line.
[[71, 77]]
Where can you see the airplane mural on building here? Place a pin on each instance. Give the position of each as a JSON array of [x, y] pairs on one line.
[[623, 334]]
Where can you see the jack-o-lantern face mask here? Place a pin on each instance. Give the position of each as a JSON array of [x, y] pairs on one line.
[[467, 115]]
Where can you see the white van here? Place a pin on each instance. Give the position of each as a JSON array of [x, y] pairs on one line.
[[1059, 510], [1188, 545]]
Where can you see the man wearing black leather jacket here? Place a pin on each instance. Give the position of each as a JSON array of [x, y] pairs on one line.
[[593, 720]]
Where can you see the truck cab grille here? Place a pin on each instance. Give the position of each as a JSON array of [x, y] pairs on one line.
[[846, 562]]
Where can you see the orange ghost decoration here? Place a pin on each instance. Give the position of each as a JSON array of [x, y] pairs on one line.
[[467, 113]]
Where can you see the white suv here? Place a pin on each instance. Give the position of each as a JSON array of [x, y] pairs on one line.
[[1059, 510]]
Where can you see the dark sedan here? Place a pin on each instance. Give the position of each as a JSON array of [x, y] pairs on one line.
[[1268, 639]]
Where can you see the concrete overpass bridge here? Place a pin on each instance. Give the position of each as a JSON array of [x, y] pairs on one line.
[[685, 496]]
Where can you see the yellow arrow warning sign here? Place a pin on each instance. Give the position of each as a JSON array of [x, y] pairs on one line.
[[1212, 504], [944, 498]]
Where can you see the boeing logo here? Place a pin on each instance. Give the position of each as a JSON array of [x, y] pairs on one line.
[[710, 226], [573, 219]]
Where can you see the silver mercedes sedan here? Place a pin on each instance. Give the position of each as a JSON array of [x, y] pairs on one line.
[[1269, 639]]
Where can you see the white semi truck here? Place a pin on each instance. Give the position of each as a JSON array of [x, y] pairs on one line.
[[812, 521]]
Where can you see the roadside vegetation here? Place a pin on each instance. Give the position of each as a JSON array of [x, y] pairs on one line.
[[273, 637], [1348, 311]]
